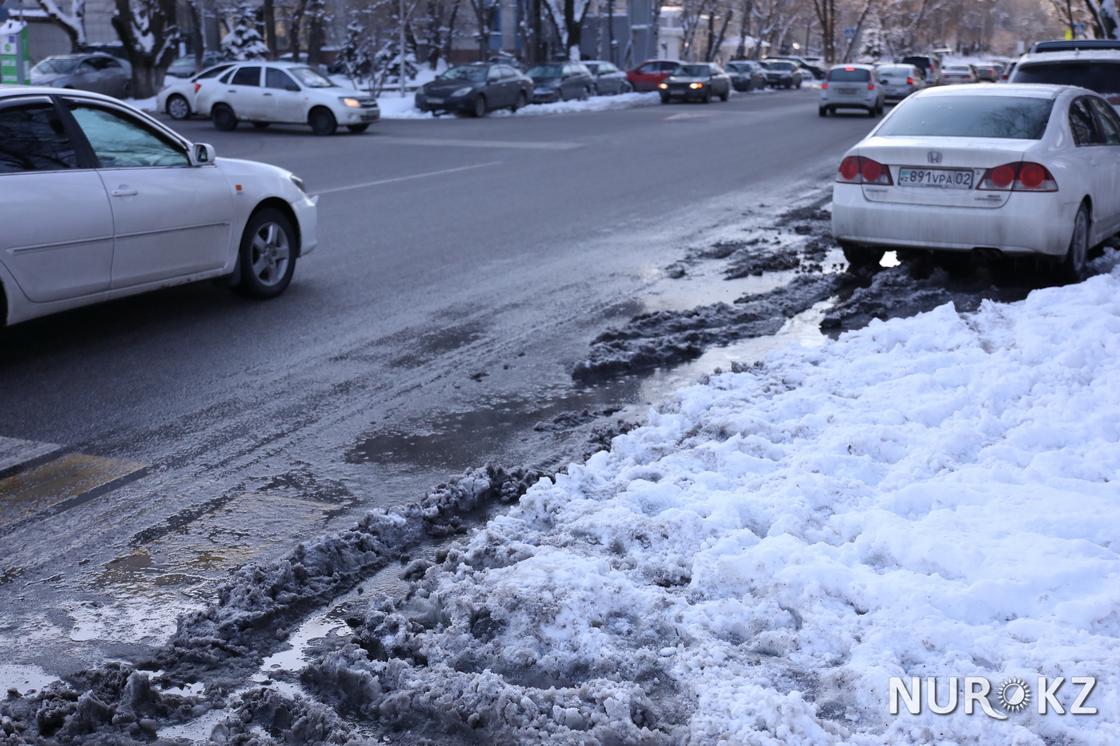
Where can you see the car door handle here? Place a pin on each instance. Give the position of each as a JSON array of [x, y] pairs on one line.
[[124, 191], [266, 94]]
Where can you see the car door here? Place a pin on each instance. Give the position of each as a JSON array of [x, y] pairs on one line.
[[170, 219], [116, 78], [511, 87], [244, 93], [283, 97], [1092, 156], [57, 234], [1108, 125]]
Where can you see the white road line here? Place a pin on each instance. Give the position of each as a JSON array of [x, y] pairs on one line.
[[452, 142], [410, 177]]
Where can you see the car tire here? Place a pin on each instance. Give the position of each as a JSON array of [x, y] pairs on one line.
[[358, 129], [584, 94], [664, 99], [725, 96], [479, 110], [223, 118], [521, 103], [860, 257], [707, 96], [267, 256], [822, 111], [322, 121], [870, 111], [260, 125], [798, 86], [178, 108], [1074, 265]]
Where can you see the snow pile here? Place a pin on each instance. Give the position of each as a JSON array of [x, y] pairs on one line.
[[932, 496], [394, 107]]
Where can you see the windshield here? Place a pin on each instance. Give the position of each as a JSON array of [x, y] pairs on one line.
[[849, 74], [779, 65], [1014, 117], [1099, 76], [183, 63], [692, 71], [464, 72], [547, 71], [739, 67], [309, 78], [57, 65]]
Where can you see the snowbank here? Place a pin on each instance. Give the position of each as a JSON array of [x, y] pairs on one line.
[[394, 107], [932, 496]]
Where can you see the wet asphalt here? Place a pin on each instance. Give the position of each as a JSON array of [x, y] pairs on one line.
[[464, 268]]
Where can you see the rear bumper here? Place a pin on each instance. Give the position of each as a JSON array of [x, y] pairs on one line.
[[1026, 224]]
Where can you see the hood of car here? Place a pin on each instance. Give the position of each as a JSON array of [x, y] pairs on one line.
[[47, 79], [551, 82]]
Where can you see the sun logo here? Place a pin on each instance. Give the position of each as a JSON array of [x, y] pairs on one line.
[[1014, 694]]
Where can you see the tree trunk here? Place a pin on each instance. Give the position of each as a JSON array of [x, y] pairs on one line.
[[315, 42], [147, 30], [268, 17]]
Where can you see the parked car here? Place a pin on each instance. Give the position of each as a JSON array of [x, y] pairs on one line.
[[111, 48], [476, 89], [609, 80], [177, 98], [561, 81], [959, 74], [852, 87], [899, 81], [97, 72], [699, 81], [265, 93], [1097, 69], [187, 67], [651, 73], [986, 72], [746, 75], [1021, 169], [809, 70], [145, 208], [782, 74], [929, 64]]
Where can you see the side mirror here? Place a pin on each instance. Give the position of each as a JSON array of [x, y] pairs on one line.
[[202, 154]]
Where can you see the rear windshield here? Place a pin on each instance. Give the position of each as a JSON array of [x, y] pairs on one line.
[[1014, 117], [921, 62], [853, 75], [1099, 76]]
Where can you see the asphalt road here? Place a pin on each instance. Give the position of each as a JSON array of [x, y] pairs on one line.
[[464, 265]]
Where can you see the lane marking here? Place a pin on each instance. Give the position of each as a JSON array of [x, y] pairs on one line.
[[451, 142], [410, 177], [59, 484], [14, 452]]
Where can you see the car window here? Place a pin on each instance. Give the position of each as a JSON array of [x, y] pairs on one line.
[[119, 141], [1107, 121], [1082, 124], [849, 75], [606, 68], [32, 138], [668, 66], [1096, 75], [212, 72], [248, 76], [274, 78], [1013, 117]]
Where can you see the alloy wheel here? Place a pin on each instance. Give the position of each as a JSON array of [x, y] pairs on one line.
[[270, 253]]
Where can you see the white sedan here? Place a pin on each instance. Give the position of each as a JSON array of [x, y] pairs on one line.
[[264, 93], [177, 98], [99, 201], [1020, 169]]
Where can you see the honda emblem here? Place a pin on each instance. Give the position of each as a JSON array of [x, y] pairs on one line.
[[934, 156]]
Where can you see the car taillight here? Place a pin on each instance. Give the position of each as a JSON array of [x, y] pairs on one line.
[[197, 87], [855, 169], [1113, 99], [1018, 177], [909, 81], [870, 86], [824, 86]]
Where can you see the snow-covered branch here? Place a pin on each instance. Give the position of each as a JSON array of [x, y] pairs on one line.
[[72, 22]]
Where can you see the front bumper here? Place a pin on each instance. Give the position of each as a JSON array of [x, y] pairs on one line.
[[545, 96], [364, 115], [684, 92], [1028, 223], [307, 216], [449, 103]]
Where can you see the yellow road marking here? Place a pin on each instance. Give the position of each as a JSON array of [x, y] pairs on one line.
[[52, 483]]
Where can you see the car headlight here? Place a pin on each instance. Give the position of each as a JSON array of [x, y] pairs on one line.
[[461, 92], [352, 103], [298, 182], [695, 86], [663, 86]]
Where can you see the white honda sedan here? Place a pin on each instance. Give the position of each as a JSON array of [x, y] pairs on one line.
[[1020, 169], [99, 201]]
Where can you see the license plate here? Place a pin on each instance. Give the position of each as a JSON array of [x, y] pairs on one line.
[[847, 91], [435, 101], [938, 178]]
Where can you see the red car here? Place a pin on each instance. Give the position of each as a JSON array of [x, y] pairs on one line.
[[646, 76]]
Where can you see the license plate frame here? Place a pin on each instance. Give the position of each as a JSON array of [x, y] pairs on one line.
[[436, 101], [937, 178]]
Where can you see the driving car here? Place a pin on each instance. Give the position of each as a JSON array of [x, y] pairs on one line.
[[929, 64], [265, 93], [561, 81], [609, 80], [958, 74], [650, 74], [746, 75], [782, 74], [1094, 67], [145, 208], [476, 89], [177, 97], [699, 81], [187, 67], [1020, 169], [987, 72], [98, 72], [899, 81], [851, 87]]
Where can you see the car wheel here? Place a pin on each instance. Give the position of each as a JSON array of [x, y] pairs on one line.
[[626, 87], [358, 129], [522, 102], [260, 125], [267, 257], [584, 94], [725, 95], [822, 111], [322, 121], [479, 109], [707, 95], [224, 118], [1073, 265], [860, 257], [178, 108], [664, 99], [798, 86]]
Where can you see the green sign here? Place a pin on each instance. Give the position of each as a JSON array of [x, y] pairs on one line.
[[15, 56]]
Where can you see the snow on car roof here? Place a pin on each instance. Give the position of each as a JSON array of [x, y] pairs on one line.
[[1031, 90], [1104, 55]]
